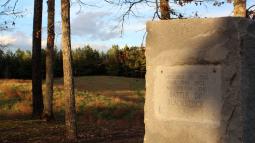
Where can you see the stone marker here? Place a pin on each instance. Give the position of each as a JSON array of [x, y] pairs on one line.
[[200, 81]]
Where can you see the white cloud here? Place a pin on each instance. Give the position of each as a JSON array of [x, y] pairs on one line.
[[94, 25], [19, 40], [135, 25], [5, 40]]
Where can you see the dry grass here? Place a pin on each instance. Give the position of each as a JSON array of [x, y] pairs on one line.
[[110, 109], [100, 96], [107, 83]]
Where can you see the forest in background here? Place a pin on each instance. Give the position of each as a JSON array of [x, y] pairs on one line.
[[127, 61]]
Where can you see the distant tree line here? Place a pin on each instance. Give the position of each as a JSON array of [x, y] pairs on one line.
[[127, 61]]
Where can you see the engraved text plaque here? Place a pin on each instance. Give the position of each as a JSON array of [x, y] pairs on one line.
[[188, 93]]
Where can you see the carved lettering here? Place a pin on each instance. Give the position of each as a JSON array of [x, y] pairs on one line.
[[188, 93]]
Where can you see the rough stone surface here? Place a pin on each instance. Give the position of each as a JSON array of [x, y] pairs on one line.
[[200, 81]]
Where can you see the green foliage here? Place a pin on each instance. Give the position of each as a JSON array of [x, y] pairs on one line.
[[87, 61], [15, 65], [112, 60], [127, 61]]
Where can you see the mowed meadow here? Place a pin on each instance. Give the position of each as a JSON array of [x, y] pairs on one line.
[[109, 109]]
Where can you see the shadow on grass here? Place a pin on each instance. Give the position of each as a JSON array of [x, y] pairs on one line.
[[120, 124]]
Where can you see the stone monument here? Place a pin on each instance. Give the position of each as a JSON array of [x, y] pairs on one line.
[[200, 81]]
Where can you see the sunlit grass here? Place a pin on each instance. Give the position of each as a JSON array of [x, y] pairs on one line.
[[99, 97]]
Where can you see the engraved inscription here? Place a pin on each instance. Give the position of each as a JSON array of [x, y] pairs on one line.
[[187, 90], [188, 93]]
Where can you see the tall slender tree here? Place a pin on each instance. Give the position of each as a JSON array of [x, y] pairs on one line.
[[240, 8], [70, 113], [36, 60], [48, 98]]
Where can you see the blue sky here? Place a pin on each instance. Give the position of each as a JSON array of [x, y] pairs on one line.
[[99, 25]]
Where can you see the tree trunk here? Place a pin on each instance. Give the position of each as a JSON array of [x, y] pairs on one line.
[[70, 113], [36, 61], [240, 8], [48, 98], [164, 9]]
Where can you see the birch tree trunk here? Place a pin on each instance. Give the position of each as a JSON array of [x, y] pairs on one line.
[[48, 98], [70, 113], [36, 61]]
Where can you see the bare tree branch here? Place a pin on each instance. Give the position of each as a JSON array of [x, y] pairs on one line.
[[81, 4], [129, 6], [8, 14]]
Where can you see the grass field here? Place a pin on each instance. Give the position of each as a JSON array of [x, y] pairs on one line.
[[110, 109]]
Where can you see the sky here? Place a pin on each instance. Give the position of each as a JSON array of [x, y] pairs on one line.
[[98, 23]]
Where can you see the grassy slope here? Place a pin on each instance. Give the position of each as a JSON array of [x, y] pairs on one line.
[[108, 107], [107, 83]]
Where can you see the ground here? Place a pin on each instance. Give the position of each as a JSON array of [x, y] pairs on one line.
[[110, 110]]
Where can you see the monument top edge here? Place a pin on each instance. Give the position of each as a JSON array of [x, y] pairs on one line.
[[229, 18], [240, 23]]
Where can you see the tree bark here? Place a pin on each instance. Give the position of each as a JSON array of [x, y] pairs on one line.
[[164, 9], [36, 61], [240, 8], [48, 98], [70, 113]]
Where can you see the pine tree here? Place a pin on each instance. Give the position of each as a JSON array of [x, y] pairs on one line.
[[70, 113], [48, 98], [36, 60]]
